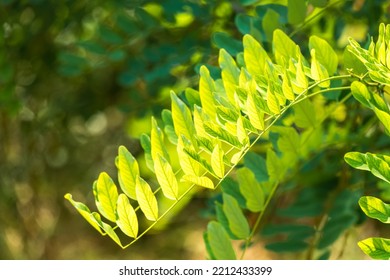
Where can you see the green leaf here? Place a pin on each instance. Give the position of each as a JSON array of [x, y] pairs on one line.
[[222, 219], [215, 130], [304, 114], [146, 199], [182, 119], [375, 208], [318, 72], [241, 132], [187, 163], [110, 232], [200, 181], [230, 73], [128, 171], [287, 246], [106, 196], [251, 190], [206, 92], [270, 22], [238, 224], [257, 164], [126, 216], [325, 54], [146, 145], [296, 11], [356, 160], [219, 242], [231, 187], [224, 41], [289, 141], [375, 247], [384, 118], [256, 116], [158, 147], [274, 166], [272, 100], [217, 161], [254, 55], [208, 247], [84, 211], [319, 3], [361, 94], [284, 48], [166, 178]]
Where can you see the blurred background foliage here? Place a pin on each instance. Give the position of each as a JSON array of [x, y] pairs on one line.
[[79, 78]]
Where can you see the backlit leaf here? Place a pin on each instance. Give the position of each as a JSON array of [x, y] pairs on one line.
[[146, 199], [84, 211], [106, 196], [217, 161], [157, 142], [375, 208], [206, 92], [166, 178], [230, 73], [256, 116], [304, 114], [128, 171], [126, 216], [182, 119], [200, 181], [254, 55], [325, 54], [376, 248], [318, 72]]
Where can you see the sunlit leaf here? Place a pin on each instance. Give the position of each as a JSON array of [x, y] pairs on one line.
[[146, 199], [206, 92], [318, 72], [84, 211], [128, 171], [254, 55], [182, 119], [166, 178], [219, 242], [375, 208], [106, 196], [126, 217], [256, 116], [158, 146], [200, 181], [217, 161], [376, 248], [230, 73], [325, 54]]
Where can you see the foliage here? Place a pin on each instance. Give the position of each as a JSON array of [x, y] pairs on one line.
[[80, 78], [213, 130], [377, 62]]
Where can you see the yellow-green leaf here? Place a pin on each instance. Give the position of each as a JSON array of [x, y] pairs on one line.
[[319, 72], [230, 73], [182, 119], [84, 211], [106, 196], [206, 92], [376, 247], [188, 164], [254, 55], [241, 132], [157, 142], [166, 178], [146, 199], [200, 181], [128, 171], [217, 161], [126, 216], [286, 87], [256, 116], [272, 101], [375, 208]]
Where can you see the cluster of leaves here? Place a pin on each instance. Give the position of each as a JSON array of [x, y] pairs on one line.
[[214, 130], [377, 76]]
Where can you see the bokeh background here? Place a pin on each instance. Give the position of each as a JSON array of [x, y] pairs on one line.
[[79, 78]]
